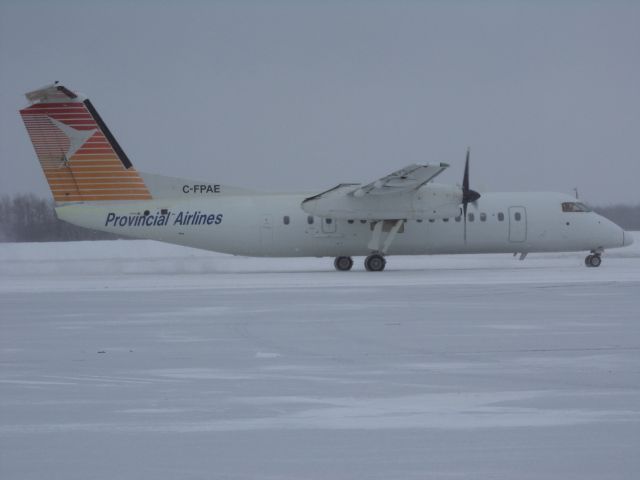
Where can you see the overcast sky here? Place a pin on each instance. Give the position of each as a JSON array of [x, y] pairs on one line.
[[301, 96]]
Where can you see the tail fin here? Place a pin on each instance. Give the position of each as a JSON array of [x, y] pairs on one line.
[[81, 159]]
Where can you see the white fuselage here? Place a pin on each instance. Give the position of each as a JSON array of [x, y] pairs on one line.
[[274, 225]]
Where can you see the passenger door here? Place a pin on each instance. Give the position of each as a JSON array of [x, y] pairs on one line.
[[517, 224], [329, 225], [266, 233]]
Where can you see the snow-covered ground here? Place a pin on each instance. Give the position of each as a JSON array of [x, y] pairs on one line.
[[135, 359]]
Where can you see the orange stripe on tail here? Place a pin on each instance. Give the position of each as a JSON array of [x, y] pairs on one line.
[[76, 149]]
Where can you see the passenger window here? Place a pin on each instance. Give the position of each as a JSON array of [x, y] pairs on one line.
[[445, 219], [350, 221], [431, 220], [286, 220], [500, 217], [517, 216], [310, 220], [419, 220], [483, 217], [471, 217], [363, 221], [328, 221]]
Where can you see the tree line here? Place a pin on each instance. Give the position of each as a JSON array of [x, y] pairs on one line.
[[28, 218], [627, 216]]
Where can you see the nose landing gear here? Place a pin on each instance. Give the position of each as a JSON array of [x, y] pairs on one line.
[[593, 260]]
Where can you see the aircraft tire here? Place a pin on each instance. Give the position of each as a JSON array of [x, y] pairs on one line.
[[594, 260], [374, 263], [343, 264]]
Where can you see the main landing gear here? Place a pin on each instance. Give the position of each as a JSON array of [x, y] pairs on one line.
[[593, 260], [379, 245], [373, 263], [343, 264]]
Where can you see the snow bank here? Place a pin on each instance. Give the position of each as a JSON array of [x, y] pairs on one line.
[[148, 256], [144, 360]]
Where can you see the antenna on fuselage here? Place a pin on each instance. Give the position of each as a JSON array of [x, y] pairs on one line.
[[575, 189]]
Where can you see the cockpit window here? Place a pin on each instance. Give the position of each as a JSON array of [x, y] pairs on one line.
[[575, 207]]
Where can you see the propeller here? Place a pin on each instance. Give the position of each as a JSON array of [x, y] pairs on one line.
[[468, 195]]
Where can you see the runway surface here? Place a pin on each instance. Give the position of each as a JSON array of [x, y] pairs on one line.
[[133, 359]]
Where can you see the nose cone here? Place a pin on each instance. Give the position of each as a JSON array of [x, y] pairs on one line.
[[627, 238]]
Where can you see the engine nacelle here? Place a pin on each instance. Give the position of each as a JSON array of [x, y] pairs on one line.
[[430, 201]]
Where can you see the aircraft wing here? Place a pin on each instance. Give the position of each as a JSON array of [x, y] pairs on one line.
[[394, 196], [406, 179]]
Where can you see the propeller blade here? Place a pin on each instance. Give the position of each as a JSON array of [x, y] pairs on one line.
[[468, 195], [465, 178], [464, 220]]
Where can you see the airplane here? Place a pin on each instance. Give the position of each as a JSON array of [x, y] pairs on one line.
[[95, 185]]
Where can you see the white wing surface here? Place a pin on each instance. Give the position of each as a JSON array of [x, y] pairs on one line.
[[404, 180], [396, 196]]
